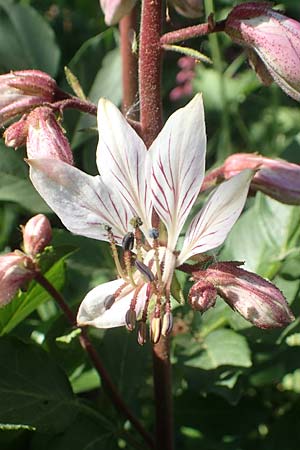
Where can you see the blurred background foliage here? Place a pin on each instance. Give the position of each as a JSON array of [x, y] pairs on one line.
[[235, 387]]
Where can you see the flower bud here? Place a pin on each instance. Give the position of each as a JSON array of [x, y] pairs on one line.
[[45, 137], [22, 90], [16, 269], [16, 134], [256, 299], [37, 234], [188, 8], [202, 296], [277, 178], [114, 10], [275, 39]]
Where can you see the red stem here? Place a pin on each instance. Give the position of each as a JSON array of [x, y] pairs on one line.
[[90, 349], [150, 66], [129, 64], [150, 70], [192, 32]]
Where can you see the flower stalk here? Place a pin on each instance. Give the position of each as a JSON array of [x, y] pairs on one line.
[[87, 345], [150, 67]]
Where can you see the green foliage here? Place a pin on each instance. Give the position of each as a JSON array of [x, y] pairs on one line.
[[235, 387], [26, 40]]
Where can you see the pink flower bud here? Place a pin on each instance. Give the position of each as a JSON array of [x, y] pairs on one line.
[[277, 178], [256, 299], [37, 234], [114, 10], [274, 37], [188, 8], [202, 296], [22, 90], [46, 138], [16, 134], [16, 269]]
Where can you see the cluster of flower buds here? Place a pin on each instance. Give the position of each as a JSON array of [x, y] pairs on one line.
[[114, 10], [191, 9], [19, 267], [273, 43], [42, 134], [256, 299], [278, 179], [184, 78], [23, 90]]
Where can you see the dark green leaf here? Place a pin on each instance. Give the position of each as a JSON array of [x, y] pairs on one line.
[[33, 390], [26, 40]]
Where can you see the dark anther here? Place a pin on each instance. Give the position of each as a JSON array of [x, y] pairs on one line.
[[128, 241], [109, 301], [141, 267], [153, 233]]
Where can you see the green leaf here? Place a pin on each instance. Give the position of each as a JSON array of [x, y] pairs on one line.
[[33, 390], [125, 360], [15, 185], [97, 65], [23, 305], [26, 40], [264, 236], [222, 347], [82, 434]]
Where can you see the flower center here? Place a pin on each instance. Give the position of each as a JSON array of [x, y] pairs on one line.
[[147, 266]]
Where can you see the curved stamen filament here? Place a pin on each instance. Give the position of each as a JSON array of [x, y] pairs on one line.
[[127, 262]]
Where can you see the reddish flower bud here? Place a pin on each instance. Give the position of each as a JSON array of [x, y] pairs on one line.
[[277, 178], [114, 10], [16, 134], [188, 8], [37, 234], [202, 296], [22, 90], [256, 299], [45, 137], [16, 269], [275, 39]]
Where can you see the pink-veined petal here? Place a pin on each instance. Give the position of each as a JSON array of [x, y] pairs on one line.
[[178, 160], [83, 203], [211, 225], [92, 310], [121, 156]]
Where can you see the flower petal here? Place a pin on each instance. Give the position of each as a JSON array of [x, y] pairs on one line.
[[82, 202], [92, 310], [178, 160], [121, 156], [211, 225]]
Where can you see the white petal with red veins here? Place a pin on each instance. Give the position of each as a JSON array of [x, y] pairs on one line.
[[211, 225], [121, 156], [92, 310], [177, 157], [83, 203]]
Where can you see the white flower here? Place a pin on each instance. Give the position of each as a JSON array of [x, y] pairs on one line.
[[134, 182]]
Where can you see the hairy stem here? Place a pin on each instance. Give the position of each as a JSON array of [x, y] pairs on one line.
[[87, 345], [129, 64], [150, 70], [150, 66], [191, 32]]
